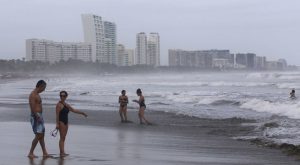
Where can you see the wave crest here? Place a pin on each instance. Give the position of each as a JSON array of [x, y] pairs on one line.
[[288, 108]]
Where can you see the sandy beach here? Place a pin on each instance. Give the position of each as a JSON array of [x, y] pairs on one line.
[[102, 139]]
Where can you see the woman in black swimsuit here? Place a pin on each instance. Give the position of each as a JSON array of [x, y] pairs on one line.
[[142, 108], [62, 111]]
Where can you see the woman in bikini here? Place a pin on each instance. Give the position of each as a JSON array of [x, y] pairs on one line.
[[142, 108], [123, 100], [62, 111]]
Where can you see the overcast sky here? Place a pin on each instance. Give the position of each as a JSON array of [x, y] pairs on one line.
[[268, 28]]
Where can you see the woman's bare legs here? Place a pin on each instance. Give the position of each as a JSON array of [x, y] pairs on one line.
[[63, 130], [121, 113], [141, 115]]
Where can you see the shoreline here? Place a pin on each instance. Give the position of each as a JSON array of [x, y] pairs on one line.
[[180, 133]]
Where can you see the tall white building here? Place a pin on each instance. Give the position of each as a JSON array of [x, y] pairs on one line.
[[130, 54], [121, 55], [153, 52], [147, 49], [102, 35], [93, 30], [110, 42], [141, 49], [50, 51]]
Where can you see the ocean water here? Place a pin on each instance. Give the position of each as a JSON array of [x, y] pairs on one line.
[[262, 97]]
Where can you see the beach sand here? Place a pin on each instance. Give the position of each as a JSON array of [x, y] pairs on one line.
[[103, 139]]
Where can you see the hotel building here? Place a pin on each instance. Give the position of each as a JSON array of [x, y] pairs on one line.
[[147, 49], [50, 51], [153, 52], [93, 30], [125, 56], [141, 49], [110, 43]]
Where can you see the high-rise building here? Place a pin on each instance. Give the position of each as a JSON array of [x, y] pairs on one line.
[[141, 49], [125, 57], [121, 55], [50, 51], [130, 54], [147, 49], [247, 60], [205, 59], [251, 60], [260, 62], [153, 52], [93, 30], [102, 35], [110, 43], [241, 60]]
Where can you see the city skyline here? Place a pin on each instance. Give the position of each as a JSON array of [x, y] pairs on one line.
[[223, 59], [100, 45], [266, 28]]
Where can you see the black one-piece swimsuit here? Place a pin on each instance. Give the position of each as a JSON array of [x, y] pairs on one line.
[[63, 115]]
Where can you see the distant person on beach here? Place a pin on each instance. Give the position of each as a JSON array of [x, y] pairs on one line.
[[293, 94], [62, 111], [123, 100], [142, 105], [36, 118]]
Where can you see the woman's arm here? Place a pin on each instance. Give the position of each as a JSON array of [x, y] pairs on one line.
[[76, 111], [139, 101], [58, 109]]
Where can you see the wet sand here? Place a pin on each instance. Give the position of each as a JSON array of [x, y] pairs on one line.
[[103, 139]]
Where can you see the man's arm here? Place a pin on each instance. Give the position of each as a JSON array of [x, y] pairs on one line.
[[34, 105]]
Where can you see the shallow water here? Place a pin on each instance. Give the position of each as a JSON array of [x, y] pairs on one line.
[[97, 145], [263, 97]]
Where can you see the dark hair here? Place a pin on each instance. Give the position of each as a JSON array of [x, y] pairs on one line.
[[40, 83], [123, 91], [65, 92], [138, 90]]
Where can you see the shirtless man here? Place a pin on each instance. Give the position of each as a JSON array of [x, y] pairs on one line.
[[36, 118]]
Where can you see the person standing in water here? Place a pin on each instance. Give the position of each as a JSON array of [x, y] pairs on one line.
[[62, 121], [293, 94], [142, 108], [123, 100], [36, 118]]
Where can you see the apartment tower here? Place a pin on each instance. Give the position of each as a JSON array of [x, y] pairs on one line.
[[153, 52], [110, 43], [93, 30], [141, 49]]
